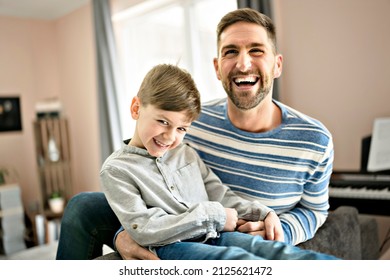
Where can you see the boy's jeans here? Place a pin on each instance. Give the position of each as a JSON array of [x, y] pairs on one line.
[[237, 246]]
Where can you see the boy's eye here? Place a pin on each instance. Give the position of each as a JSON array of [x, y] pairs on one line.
[[163, 122], [182, 129]]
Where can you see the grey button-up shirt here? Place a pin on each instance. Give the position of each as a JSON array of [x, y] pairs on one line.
[[170, 199]]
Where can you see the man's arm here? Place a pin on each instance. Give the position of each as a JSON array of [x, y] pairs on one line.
[[130, 250]]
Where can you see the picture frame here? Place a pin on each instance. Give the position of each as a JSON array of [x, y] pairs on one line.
[[10, 114]]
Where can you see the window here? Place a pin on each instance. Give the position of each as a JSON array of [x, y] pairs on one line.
[[168, 31]]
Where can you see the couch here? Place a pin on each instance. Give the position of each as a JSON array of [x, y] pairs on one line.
[[345, 234]]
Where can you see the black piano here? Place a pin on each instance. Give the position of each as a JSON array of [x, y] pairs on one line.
[[368, 191]]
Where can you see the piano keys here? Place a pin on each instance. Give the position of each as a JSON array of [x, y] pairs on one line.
[[369, 193]]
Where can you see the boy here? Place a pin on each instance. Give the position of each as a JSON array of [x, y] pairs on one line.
[[167, 198]]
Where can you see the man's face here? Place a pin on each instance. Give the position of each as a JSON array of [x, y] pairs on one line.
[[246, 64]]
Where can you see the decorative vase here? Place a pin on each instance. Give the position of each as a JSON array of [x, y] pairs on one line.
[[57, 204], [54, 153]]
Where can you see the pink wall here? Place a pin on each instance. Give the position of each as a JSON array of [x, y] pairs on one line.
[[41, 59], [336, 66]]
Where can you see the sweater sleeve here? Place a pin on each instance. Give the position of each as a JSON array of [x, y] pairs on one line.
[[302, 222]]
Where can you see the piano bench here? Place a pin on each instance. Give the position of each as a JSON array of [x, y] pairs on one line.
[[346, 235]]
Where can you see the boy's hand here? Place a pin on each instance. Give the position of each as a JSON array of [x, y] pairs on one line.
[[231, 219], [130, 250]]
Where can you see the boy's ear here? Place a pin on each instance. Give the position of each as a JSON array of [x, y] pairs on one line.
[[134, 107]]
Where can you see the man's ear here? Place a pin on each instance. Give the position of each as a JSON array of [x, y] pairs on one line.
[[278, 65], [134, 107], [216, 67]]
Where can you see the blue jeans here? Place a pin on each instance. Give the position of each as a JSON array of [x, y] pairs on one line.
[[88, 223], [237, 246]]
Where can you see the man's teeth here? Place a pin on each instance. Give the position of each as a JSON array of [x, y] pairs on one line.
[[251, 80]]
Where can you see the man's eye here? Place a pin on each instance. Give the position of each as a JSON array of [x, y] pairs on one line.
[[257, 51], [230, 52]]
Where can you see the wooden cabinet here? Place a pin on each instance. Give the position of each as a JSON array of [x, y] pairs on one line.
[[53, 156]]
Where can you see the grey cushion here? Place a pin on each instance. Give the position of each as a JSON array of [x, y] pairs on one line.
[[339, 236], [369, 237], [110, 256]]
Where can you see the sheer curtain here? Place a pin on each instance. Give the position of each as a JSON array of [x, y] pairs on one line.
[[167, 31], [265, 7], [108, 85]]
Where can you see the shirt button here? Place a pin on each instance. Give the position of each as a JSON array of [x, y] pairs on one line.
[[172, 188], [135, 226]]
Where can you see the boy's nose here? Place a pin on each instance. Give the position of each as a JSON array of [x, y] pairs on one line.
[[170, 135]]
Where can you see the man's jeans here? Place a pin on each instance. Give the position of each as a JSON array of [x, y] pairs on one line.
[[88, 223], [237, 246]]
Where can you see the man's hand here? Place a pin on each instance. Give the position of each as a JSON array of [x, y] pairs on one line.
[[273, 227], [130, 250], [252, 228], [270, 228]]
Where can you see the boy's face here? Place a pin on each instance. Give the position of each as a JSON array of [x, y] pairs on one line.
[[158, 130]]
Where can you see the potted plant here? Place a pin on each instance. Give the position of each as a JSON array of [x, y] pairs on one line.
[[56, 202], [3, 174]]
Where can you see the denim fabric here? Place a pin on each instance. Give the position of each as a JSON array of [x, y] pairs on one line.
[[88, 223], [237, 246]]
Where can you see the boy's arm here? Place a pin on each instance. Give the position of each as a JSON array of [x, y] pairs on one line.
[[152, 226]]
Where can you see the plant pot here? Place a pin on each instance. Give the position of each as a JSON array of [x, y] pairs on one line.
[[57, 204]]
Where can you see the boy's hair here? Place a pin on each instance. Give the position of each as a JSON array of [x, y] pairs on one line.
[[170, 88], [251, 16]]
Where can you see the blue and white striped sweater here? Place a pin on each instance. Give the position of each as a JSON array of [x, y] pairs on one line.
[[287, 169]]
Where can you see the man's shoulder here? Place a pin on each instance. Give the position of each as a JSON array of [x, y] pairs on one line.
[[294, 120], [294, 116]]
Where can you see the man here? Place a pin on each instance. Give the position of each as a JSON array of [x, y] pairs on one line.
[[262, 149]]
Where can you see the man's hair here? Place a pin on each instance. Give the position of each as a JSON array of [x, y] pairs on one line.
[[170, 88], [250, 16]]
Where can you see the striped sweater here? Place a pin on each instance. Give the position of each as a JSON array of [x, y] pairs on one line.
[[287, 168]]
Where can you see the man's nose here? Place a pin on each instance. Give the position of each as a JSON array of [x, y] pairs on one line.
[[244, 62]]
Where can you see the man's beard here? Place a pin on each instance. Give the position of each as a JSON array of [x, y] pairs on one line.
[[243, 100]]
